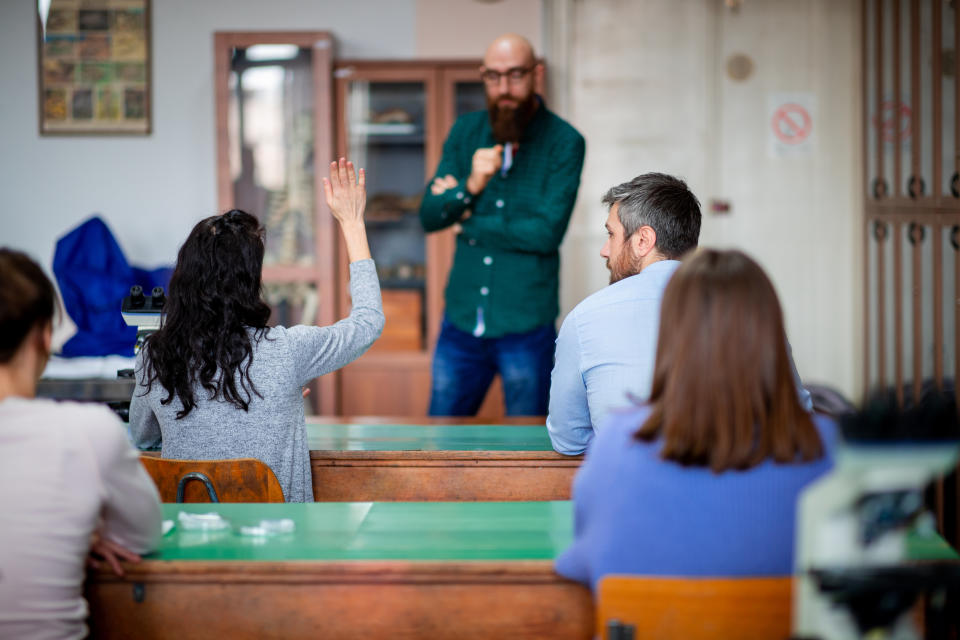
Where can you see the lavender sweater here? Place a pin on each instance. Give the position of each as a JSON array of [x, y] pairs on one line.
[[636, 513], [272, 430]]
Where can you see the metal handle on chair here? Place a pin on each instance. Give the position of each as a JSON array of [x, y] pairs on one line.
[[194, 475]]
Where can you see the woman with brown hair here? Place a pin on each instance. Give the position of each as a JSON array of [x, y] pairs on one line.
[[703, 479], [73, 486]]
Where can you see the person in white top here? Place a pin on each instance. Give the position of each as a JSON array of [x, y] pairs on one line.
[[74, 492]]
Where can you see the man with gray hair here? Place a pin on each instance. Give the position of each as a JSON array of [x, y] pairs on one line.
[[607, 345]]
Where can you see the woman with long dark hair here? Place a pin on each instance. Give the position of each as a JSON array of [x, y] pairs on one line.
[[215, 382], [704, 478]]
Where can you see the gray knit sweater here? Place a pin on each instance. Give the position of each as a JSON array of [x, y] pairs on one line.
[[272, 430]]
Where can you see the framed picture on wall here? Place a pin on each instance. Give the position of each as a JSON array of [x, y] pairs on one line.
[[94, 66]]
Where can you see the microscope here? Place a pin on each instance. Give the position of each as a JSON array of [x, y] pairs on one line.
[[142, 312], [145, 313], [855, 574]]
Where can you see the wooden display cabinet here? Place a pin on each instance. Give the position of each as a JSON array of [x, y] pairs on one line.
[[284, 108], [392, 118], [274, 134]]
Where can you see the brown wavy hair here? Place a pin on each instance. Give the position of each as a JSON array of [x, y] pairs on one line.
[[27, 300], [723, 394]]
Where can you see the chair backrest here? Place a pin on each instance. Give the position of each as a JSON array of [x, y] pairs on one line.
[[695, 608], [237, 480]]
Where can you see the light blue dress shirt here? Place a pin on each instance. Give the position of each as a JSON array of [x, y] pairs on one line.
[[605, 354]]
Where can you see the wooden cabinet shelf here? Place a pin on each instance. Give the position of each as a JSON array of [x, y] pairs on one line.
[[394, 377]]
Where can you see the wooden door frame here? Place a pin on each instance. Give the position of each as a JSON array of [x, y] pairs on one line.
[[322, 273]]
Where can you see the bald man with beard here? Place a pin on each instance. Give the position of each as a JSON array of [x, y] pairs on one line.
[[508, 180]]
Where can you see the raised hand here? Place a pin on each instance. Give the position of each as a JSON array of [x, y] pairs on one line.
[[486, 162], [346, 195]]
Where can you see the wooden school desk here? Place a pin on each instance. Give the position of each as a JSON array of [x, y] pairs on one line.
[[441, 461], [385, 459], [406, 570], [353, 570]]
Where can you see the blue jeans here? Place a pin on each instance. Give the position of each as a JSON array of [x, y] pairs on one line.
[[464, 366]]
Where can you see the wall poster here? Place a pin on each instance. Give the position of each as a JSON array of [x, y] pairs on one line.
[[94, 66]]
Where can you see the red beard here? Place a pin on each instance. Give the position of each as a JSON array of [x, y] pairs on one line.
[[509, 122], [623, 266]]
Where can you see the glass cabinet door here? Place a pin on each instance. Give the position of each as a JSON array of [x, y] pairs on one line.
[[468, 96], [270, 118], [392, 120], [274, 100], [271, 146], [386, 135]]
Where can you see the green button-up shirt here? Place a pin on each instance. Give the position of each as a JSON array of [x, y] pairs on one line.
[[505, 271]]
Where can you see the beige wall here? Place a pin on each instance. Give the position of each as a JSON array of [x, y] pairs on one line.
[[464, 28], [649, 91]]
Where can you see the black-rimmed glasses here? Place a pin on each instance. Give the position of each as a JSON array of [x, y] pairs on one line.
[[514, 75]]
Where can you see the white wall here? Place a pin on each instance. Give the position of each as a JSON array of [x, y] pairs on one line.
[[650, 93], [151, 190], [801, 216]]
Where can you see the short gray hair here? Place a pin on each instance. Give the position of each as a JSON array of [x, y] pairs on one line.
[[663, 203]]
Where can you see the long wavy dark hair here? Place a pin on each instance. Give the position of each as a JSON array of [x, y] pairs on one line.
[[214, 297]]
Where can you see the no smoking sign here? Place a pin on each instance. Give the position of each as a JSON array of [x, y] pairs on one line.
[[790, 124]]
